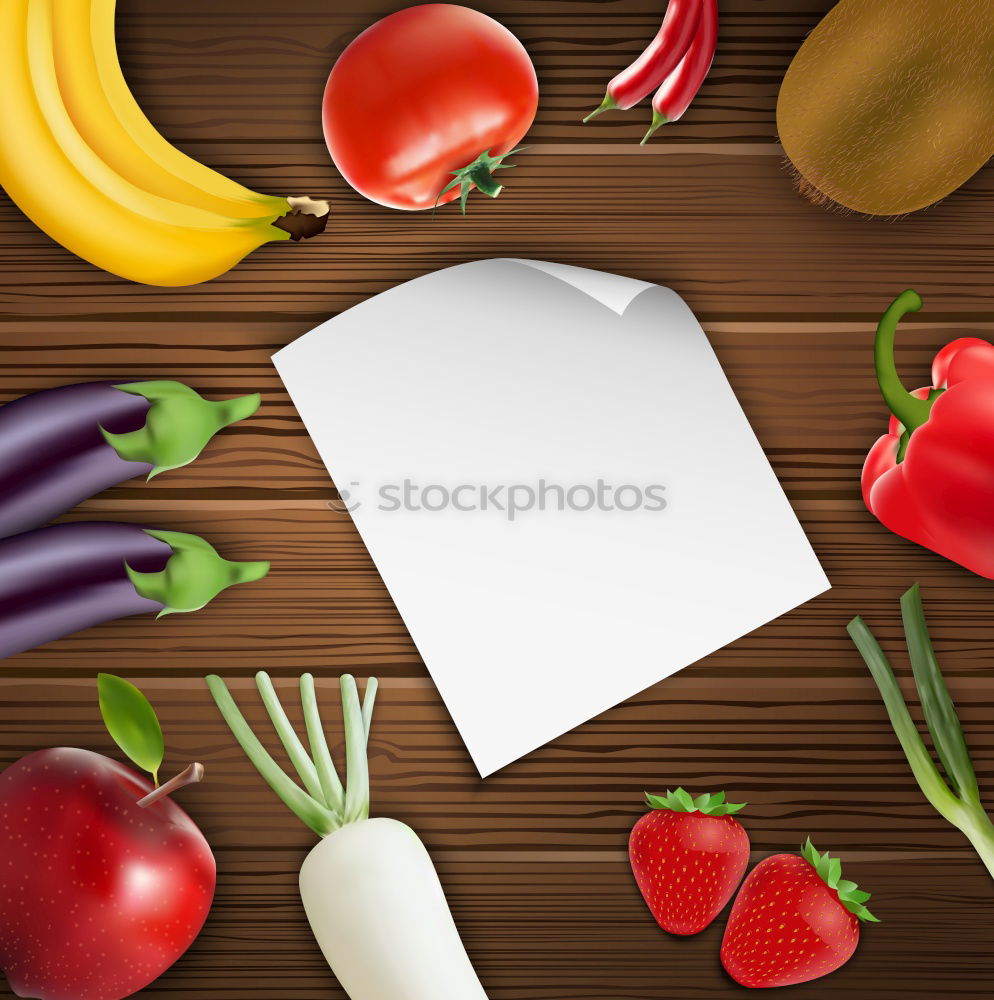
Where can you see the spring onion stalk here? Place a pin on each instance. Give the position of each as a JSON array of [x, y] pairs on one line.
[[956, 797], [331, 784], [288, 737], [369, 888]]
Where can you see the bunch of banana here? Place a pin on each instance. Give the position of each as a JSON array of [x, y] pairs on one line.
[[81, 160]]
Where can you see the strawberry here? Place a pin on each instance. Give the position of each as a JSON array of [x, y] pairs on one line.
[[688, 855], [795, 919]]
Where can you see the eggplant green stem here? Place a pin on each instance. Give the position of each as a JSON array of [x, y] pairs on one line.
[[193, 575], [325, 807], [959, 805], [178, 425], [911, 412]]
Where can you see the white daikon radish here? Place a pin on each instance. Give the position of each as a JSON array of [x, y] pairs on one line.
[[369, 889]]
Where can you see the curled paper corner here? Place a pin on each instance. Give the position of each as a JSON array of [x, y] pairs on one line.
[[614, 291]]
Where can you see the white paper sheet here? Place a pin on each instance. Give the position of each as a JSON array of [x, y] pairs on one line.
[[505, 373]]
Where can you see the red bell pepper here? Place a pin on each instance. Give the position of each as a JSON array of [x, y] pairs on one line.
[[931, 477]]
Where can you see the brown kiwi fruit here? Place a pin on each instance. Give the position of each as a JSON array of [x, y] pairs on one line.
[[889, 104]]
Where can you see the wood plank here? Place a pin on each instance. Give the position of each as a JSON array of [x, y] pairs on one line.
[[812, 754], [726, 231], [526, 920]]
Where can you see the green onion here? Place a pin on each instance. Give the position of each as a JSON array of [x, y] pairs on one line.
[[307, 809], [960, 804], [326, 806], [357, 767], [331, 785], [288, 736], [940, 712]]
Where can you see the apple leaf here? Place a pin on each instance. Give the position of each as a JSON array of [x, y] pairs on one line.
[[131, 722]]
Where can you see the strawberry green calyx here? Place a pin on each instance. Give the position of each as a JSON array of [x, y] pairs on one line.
[[829, 870], [708, 803]]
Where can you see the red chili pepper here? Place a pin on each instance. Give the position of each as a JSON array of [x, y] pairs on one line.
[[931, 477], [681, 86], [657, 62]]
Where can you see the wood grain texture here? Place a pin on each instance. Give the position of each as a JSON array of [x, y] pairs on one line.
[[533, 859]]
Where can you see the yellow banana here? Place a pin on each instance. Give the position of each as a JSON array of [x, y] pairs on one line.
[[55, 114], [114, 214], [111, 122]]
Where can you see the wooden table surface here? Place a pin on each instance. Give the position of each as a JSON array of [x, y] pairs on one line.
[[533, 859]]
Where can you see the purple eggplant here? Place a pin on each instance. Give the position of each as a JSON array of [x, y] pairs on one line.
[[61, 446], [58, 580]]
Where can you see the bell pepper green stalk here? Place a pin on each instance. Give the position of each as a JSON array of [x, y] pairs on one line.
[[958, 800], [911, 411]]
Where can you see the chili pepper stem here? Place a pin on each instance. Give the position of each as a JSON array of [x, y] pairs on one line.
[[608, 104], [658, 121], [911, 412]]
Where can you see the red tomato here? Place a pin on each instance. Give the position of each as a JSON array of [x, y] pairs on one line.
[[421, 94]]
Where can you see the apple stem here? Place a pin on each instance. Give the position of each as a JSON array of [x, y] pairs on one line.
[[193, 774]]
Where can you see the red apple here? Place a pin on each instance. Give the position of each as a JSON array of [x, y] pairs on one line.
[[98, 895]]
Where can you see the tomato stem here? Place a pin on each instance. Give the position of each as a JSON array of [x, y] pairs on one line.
[[478, 174]]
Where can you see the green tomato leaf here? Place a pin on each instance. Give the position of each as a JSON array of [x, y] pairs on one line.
[[131, 722]]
